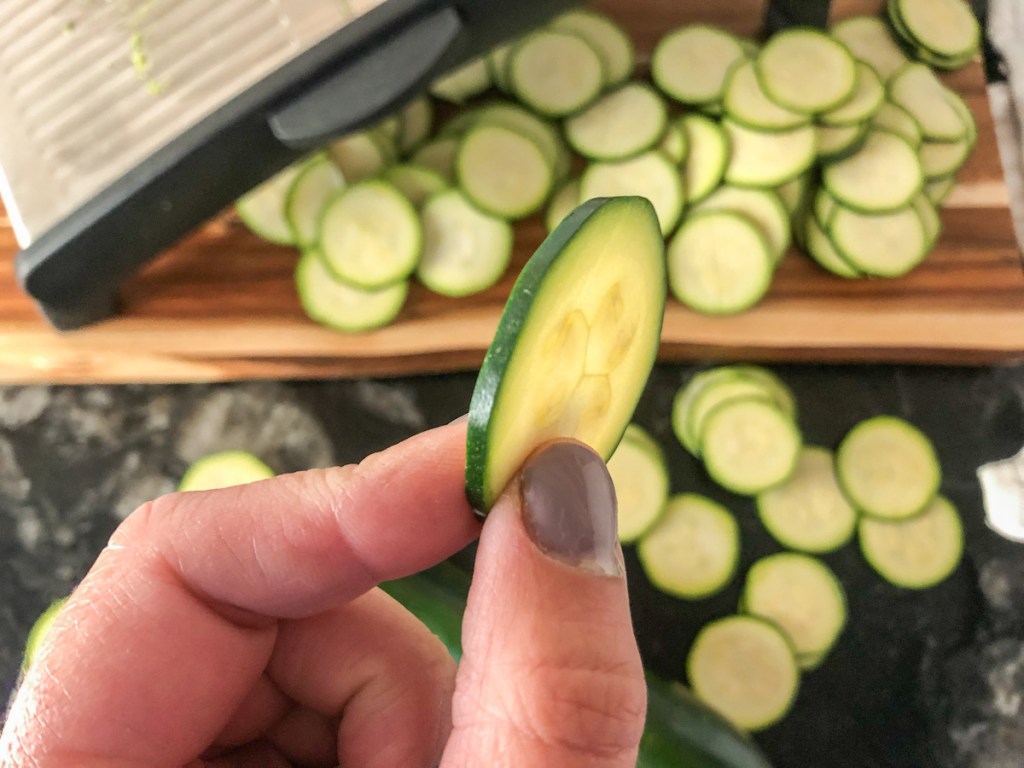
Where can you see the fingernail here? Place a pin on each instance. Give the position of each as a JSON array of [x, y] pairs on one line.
[[569, 507]]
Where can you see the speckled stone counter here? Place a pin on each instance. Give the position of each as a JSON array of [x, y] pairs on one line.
[[919, 680]]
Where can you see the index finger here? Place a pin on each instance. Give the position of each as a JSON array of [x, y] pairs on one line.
[[177, 619]]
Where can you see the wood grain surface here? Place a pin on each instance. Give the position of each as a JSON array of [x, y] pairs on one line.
[[221, 304]]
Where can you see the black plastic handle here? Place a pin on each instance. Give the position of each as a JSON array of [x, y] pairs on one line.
[[370, 86]]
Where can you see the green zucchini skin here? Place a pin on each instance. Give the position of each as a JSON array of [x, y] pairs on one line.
[[680, 732]]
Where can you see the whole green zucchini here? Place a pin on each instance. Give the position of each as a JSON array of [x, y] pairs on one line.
[[680, 731]]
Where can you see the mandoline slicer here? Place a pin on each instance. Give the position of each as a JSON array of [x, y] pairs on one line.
[[126, 123]]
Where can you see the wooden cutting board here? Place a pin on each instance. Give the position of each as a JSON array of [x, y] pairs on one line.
[[221, 304]]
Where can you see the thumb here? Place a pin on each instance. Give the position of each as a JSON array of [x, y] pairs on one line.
[[550, 675]]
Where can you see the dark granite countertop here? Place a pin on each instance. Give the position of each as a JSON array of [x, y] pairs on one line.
[[919, 680]]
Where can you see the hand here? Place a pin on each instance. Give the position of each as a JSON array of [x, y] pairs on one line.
[[243, 627]]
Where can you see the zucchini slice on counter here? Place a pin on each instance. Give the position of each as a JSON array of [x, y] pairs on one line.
[[222, 470], [693, 549], [888, 468], [806, 70], [917, 553], [343, 307], [606, 37], [555, 73], [317, 182], [620, 124], [640, 476], [744, 668], [262, 209], [651, 175], [691, 64], [574, 346]]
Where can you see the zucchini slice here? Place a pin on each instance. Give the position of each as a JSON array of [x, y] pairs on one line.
[[340, 306], [370, 235], [691, 64], [866, 100], [503, 172], [673, 143], [574, 346], [930, 218], [462, 84], [640, 476], [562, 203], [497, 66], [806, 70], [719, 262], [555, 73], [707, 156], [360, 156], [418, 183], [222, 470], [416, 124], [794, 194], [944, 158], [762, 206], [917, 553], [744, 668], [710, 397], [525, 123], [465, 250], [893, 118], [922, 94], [749, 445], [883, 176], [945, 27], [888, 468], [651, 175], [768, 159], [439, 155], [939, 190], [40, 629], [820, 248], [839, 142], [262, 209], [869, 40], [620, 124], [808, 512], [881, 244], [693, 549], [800, 595], [746, 102], [606, 37], [317, 182]]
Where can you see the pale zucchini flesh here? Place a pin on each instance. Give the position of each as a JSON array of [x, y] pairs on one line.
[[620, 124], [343, 307], [746, 102], [806, 70], [868, 39], [562, 203], [692, 550], [555, 73], [888, 468], [768, 159], [893, 118], [439, 155], [715, 395], [945, 27], [417, 122], [922, 94], [640, 476], [745, 669], [317, 183], [808, 512], [574, 346], [839, 142], [360, 156], [691, 64], [610, 41], [416, 182], [263, 211], [820, 248], [866, 100], [223, 470], [882, 244], [503, 172], [462, 84], [650, 174], [762, 206], [707, 156]]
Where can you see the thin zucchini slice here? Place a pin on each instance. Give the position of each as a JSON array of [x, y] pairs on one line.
[[710, 397], [673, 143], [944, 158], [465, 250], [888, 468], [262, 210], [370, 235], [881, 244], [806, 70], [462, 84], [416, 182], [799, 594], [763, 159], [746, 102], [40, 629], [808, 512], [343, 307], [503, 171], [222, 470], [719, 262], [317, 182], [866, 100], [749, 445], [497, 66], [606, 37], [794, 193], [574, 346], [922, 94], [640, 476], [691, 64], [917, 553], [707, 158], [777, 390], [683, 402], [417, 121], [762, 206], [693, 549], [930, 218], [884, 176], [651, 175], [939, 190], [966, 116], [839, 142], [620, 124], [744, 668], [555, 73], [824, 207], [439, 155], [868, 39], [360, 156], [562, 203], [521, 121], [820, 248], [893, 118], [945, 27]]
